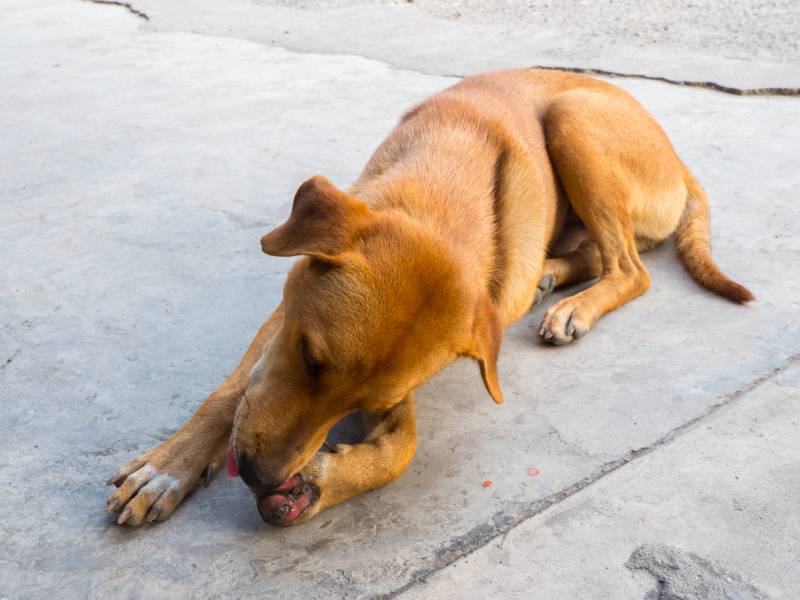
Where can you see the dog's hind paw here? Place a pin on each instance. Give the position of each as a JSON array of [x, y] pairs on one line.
[[564, 322]]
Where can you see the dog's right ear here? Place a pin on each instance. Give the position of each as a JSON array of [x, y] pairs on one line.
[[322, 223], [487, 335]]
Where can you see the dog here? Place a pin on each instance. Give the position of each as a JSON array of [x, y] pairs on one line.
[[484, 198]]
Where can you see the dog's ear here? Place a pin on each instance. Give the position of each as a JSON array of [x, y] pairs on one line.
[[322, 223], [487, 333]]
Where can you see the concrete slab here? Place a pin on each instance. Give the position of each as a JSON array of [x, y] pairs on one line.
[[141, 168], [713, 516], [406, 37], [745, 29]]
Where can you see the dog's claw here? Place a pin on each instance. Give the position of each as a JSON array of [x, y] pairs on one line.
[[152, 485], [124, 515], [209, 472], [545, 287]]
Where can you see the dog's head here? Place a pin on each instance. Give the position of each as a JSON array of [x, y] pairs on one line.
[[377, 305]]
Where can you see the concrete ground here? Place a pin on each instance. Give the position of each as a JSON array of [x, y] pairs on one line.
[[144, 151]]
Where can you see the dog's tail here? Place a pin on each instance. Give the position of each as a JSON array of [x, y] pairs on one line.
[[694, 245]]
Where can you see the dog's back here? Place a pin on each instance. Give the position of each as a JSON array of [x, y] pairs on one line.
[[483, 161]]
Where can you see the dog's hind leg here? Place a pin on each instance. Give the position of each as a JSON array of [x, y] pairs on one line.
[[151, 486], [623, 277], [353, 469], [576, 266], [623, 180], [579, 265]]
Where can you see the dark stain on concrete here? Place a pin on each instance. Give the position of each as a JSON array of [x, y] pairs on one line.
[[682, 575]]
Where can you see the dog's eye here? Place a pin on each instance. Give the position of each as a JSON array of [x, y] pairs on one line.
[[313, 366]]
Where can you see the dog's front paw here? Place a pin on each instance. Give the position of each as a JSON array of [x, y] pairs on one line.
[[293, 502], [150, 487], [300, 497]]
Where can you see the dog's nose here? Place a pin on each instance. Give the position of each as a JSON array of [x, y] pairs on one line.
[[252, 476], [247, 471]]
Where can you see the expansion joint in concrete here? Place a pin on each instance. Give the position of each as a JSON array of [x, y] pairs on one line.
[[479, 537], [709, 85]]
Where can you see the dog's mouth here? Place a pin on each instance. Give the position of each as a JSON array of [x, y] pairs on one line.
[[284, 504]]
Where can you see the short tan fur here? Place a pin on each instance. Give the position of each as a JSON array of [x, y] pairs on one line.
[[484, 198]]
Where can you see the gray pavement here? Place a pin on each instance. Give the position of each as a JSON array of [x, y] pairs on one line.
[[733, 28], [143, 159], [712, 517], [404, 36]]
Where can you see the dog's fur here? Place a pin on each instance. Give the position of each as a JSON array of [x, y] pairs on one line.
[[482, 200]]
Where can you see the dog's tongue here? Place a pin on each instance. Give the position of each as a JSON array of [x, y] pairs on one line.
[[233, 470]]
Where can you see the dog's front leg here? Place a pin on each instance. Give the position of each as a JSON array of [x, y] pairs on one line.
[[151, 486], [353, 469]]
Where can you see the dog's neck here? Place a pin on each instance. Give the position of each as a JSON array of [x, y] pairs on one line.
[[459, 210], [458, 213]]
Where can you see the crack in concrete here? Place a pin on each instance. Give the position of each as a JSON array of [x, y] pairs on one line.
[[126, 5], [710, 85], [705, 85], [9, 360], [484, 534], [571, 447]]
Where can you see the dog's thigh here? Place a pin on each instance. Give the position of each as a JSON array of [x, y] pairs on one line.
[[151, 486], [606, 138], [598, 167]]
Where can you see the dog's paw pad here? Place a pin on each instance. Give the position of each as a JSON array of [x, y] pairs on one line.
[[286, 507]]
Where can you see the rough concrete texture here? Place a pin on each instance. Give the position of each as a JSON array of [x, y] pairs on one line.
[[142, 160], [763, 28], [683, 575], [406, 37], [713, 515]]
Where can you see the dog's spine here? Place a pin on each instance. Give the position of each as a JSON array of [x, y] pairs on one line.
[[694, 245]]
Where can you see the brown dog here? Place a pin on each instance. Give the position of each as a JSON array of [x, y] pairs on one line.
[[447, 237]]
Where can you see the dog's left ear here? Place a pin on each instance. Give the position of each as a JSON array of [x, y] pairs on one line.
[[323, 222], [487, 333]]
